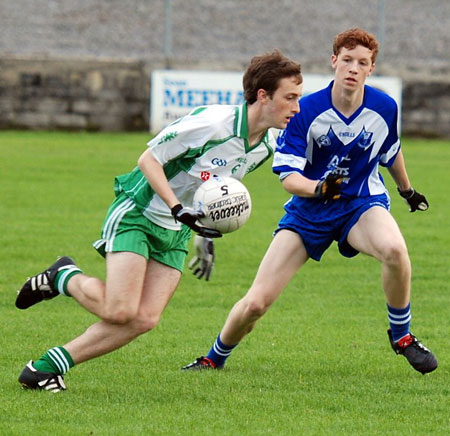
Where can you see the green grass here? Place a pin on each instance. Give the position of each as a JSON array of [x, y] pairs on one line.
[[318, 363]]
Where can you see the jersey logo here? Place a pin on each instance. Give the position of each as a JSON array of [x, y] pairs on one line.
[[251, 168], [219, 162], [241, 161], [365, 139], [168, 137], [323, 141], [329, 139], [205, 175]]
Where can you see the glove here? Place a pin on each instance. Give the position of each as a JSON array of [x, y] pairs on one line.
[[189, 216], [414, 199], [203, 262], [330, 188]]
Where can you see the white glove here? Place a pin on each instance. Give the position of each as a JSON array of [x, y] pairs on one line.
[[203, 262]]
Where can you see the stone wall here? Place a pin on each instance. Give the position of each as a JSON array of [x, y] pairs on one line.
[[86, 64], [73, 94], [426, 108], [113, 95]]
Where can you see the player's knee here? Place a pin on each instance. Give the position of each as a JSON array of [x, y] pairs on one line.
[[255, 308], [119, 315], [396, 253], [145, 322]]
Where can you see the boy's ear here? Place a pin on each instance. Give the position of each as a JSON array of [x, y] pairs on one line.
[[333, 61], [262, 95]]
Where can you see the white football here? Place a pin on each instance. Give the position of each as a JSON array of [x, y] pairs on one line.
[[225, 202]]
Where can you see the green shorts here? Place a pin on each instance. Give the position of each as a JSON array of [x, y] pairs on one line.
[[126, 229]]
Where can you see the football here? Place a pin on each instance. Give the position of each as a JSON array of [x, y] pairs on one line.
[[225, 202]]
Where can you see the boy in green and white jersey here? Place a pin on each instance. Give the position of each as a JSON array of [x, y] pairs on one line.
[[148, 226], [211, 140]]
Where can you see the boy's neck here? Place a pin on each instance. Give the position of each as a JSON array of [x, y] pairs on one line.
[[345, 101]]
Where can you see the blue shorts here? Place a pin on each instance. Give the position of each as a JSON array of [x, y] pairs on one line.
[[319, 222]]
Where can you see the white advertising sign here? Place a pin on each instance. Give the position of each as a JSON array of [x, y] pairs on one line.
[[174, 93]]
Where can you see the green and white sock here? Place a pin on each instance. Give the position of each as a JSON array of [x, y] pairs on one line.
[[63, 277], [56, 360]]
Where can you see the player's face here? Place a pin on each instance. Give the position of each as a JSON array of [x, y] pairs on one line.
[[352, 67], [283, 104]]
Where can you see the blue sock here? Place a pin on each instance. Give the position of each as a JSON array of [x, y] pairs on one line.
[[399, 320], [220, 352]]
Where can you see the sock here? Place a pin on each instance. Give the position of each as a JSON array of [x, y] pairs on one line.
[[220, 352], [399, 320], [56, 360], [63, 276]]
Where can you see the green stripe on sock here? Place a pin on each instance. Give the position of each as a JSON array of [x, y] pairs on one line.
[[56, 360], [63, 277], [68, 357]]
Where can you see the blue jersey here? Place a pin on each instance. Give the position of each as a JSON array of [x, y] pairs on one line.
[[320, 140]]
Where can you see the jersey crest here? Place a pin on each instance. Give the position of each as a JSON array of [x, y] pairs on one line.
[[363, 139]]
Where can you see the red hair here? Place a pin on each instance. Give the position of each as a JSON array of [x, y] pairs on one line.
[[353, 37]]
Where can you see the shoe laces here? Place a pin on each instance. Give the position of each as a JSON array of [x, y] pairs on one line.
[[411, 340]]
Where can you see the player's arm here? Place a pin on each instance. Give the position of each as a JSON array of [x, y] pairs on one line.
[[173, 142], [414, 199], [328, 188], [297, 184], [399, 174], [154, 173], [290, 160]]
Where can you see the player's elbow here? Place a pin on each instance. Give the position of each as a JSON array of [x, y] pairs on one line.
[[146, 159]]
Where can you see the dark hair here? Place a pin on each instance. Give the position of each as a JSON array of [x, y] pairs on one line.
[[266, 71], [353, 37]]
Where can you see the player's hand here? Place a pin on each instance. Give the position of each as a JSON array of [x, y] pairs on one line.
[[329, 188], [189, 216], [203, 262], [415, 200]]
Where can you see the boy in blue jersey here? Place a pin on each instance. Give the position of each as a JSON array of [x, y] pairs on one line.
[[328, 158], [148, 226]]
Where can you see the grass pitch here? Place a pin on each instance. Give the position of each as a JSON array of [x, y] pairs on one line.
[[318, 363]]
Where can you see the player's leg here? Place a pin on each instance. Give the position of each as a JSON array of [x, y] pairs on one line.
[[64, 277], [377, 234], [103, 337], [116, 300], [123, 294], [285, 255], [159, 284], [136, 293]]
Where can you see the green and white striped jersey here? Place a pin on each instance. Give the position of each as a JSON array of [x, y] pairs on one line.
[[210, 140]]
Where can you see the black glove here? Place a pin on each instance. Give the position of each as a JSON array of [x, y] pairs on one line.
[[414, 199], [189, 216], [203, 262], [330, 188]]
